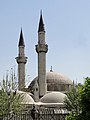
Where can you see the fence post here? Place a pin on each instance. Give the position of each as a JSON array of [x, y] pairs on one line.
[[34, 113]]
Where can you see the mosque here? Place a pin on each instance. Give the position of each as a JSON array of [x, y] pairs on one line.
[[48, 89]]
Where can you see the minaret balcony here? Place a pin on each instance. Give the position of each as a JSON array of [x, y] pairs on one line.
[[41, 48], [21, 60]]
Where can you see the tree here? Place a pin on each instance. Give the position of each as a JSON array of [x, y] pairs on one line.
[[72, 102], [9, 100], [78, 102], [85, 100]]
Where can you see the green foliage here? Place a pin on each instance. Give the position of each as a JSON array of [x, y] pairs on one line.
[[72, 100], [78, 102], [72, 116], [85, 100], [10, 101]]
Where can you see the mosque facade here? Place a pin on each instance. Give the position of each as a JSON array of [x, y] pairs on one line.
[[48, 89]]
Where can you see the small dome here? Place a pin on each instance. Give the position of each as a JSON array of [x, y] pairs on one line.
[[53, 97], [26, 98]]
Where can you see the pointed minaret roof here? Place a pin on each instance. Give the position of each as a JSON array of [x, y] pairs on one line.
[[21, 39], [41, 25], [51, 69]]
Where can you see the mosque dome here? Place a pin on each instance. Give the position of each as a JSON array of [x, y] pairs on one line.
[[26, 98], [54, 77], [53, 97], [55, 82]]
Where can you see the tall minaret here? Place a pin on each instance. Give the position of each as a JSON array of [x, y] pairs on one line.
[[21, 60], [41, 49]]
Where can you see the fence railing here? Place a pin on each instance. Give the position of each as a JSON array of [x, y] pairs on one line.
[[41, 114]]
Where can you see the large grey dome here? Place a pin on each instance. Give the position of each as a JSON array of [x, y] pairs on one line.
[[55, 82], [54, 77], [53, 97]]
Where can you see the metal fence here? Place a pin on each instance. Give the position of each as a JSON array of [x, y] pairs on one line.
[[41, 114]]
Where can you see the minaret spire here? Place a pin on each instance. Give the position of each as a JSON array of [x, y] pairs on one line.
[[21, 39], [41, 25], [41, 49], [21, 60], [51, 69]]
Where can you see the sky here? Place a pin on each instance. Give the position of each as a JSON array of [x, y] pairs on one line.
[[67, 26]]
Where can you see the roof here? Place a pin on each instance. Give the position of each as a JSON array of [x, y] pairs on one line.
[[21, 39], [26, 98], [41, 25], [54, 78], [53, 97]]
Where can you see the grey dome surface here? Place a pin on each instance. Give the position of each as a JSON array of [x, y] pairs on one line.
[[53, 97], [55, 82], [54, 77], [26, 98]]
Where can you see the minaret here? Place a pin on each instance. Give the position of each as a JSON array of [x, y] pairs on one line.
[[21, 60], [36, 91], [41, 50]]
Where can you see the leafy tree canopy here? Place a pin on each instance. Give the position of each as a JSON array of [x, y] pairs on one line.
[[9, 100], [78, 102]]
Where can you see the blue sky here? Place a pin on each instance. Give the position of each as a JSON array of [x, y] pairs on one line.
[[67, 25]]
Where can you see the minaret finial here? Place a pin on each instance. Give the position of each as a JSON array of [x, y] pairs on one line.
[[51, 69], [40, 12], [21, 39], [41, 24]]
